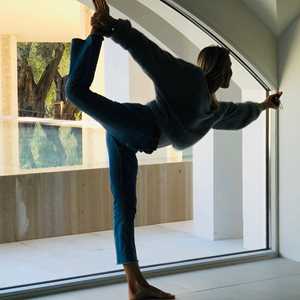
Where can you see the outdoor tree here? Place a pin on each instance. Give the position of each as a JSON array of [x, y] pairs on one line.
[[42, 75]]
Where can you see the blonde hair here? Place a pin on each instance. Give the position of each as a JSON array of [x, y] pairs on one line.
[[213, 60]]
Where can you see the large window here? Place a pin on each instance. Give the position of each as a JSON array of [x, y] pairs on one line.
[[56, 217]]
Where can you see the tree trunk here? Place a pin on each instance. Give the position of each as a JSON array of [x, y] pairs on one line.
[[64, 109], [32, 96]]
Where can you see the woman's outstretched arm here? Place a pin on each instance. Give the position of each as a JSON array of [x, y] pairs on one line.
[[238, 115]]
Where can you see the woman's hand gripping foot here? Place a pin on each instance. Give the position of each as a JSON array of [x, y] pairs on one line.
[[101, 21]]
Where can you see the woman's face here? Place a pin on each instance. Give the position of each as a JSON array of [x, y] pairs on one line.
[[227, 75]]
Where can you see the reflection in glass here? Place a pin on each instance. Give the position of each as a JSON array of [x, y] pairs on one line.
[[44, 146]]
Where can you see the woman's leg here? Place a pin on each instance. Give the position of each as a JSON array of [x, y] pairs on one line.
[[161, 66], [123, 169], [128, 124], [131, 123], [156, 62]]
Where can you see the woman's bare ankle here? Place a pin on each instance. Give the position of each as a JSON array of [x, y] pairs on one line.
[[134, 276]]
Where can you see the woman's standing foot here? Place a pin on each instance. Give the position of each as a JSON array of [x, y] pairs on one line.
[[148, 292], [139, 288]]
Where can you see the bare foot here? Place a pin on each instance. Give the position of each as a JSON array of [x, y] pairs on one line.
[[101, 21], [148, 292], [102, 6]]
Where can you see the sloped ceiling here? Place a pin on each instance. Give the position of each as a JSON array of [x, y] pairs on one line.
[[214, 14], [275, 14]]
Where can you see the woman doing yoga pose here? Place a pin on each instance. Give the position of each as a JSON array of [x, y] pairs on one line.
[[184, 110]]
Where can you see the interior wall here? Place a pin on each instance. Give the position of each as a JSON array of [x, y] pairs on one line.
[[289, 145], [239, 27]]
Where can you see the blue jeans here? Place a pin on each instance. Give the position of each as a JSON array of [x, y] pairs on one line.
[[130, 127]]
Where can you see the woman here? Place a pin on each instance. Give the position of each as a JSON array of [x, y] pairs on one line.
[[184, 110]]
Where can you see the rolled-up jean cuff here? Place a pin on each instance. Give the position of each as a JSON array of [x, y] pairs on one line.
[[128, 262]]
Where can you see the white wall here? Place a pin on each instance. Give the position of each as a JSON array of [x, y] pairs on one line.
[[228, 174], [240, 28], [254, 177], [289, 144], [116, 70]]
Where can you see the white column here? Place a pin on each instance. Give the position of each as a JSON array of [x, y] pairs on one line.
[[116, 72], [9, 131], [93, 135], [217, 180], [254, 178], [203, 187]]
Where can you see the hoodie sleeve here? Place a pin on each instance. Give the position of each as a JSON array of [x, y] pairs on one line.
[[237, 115]]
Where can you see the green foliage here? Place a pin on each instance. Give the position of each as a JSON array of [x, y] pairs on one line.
[[42, 149], [50, 99], [23, 51], [25, 133], [64, 65], [36, 60], [70, 144], [78, 116], [39, 55], [43, 146]]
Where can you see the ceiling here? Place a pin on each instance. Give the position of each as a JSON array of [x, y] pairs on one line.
[[275, 14], [52, 16], [36, 20]]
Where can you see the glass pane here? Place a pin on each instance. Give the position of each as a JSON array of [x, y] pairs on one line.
[[56, 208], [44, 146]]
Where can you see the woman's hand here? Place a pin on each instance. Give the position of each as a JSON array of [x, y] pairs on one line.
[[273, 101]]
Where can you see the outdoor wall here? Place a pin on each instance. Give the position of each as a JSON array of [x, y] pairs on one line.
[[73, 202], [289, 146], [9, 150]]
